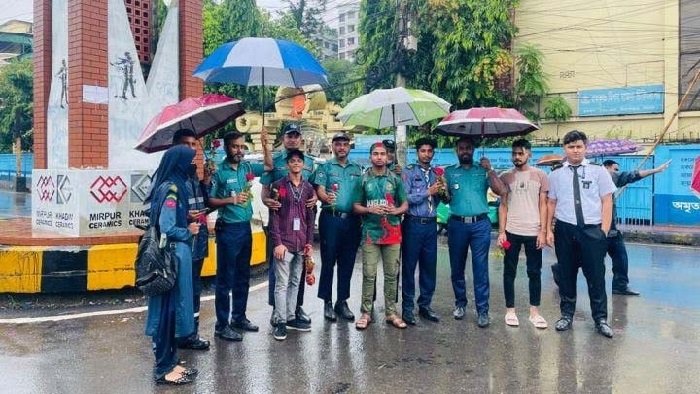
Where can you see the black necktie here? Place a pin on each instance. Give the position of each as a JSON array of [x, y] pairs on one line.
[[577, 198]]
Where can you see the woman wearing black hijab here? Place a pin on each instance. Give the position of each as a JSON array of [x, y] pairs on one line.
[[170, 314]]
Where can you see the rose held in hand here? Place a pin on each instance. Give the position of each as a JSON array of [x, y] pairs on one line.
[[440, 172]]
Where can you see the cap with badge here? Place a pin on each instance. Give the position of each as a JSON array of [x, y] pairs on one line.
[[340, 137], [291, 128], [389, 144]]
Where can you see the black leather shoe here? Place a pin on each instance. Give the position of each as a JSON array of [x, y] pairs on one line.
[[245, 325], [302, 316], [343, 311], [328, 311], [483, 320], [563, 324], [625, 291], [194, 344], [409, 318], [604, 329], [228, 334], [427, 313]]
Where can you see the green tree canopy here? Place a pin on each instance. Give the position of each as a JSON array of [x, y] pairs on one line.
[[16, 104]]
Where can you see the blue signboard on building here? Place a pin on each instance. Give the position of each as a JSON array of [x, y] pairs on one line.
[[646, 99]]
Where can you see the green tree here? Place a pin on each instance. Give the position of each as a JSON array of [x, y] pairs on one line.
[[344, 79], [531, 85], [16, 105], [378, 40], [558, 110], [462, 47], [308, 15]]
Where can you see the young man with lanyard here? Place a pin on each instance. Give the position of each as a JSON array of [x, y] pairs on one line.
[[291, 139], [338, 226], [469, 226], [522, 217], [231, 193], [580, 204], [616, 243], [381, 199], [419, 246], [197, 190], [292, 232]]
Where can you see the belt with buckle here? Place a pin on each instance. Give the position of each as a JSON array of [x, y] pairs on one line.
[[421, 220], [469, 219], [337, 214]]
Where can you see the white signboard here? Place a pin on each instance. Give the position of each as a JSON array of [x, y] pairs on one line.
[[89, 202]]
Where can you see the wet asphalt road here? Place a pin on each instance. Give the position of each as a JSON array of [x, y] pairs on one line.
[[656, 348]]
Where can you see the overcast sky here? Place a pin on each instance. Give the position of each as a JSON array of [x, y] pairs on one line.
[[22, 9]]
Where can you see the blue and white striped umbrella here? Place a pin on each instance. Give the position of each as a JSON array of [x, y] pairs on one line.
[[257, 61]]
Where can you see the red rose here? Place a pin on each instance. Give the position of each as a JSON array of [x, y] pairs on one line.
[[506, 245], [334, 187], [283, 192], [216, 144], [439, 171], [249, 176]]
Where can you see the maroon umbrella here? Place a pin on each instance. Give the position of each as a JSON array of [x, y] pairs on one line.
[[486, 122], [201, 115], [605, 147]]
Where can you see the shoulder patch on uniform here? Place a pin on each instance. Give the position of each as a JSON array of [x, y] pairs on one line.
[[173, 188], [170, 203], [410, 166]]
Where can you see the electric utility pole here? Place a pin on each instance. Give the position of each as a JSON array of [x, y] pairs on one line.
[[406, 42]]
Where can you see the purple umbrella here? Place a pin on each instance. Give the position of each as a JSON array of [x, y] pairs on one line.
[[611, 147]]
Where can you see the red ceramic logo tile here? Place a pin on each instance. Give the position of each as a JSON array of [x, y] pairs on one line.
[[108, 189]]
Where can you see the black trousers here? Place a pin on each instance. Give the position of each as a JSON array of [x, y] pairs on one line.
[[618, 255], [534, 268], [585, 245]]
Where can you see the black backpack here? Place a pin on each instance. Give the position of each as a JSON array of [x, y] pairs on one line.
[[156, 267]]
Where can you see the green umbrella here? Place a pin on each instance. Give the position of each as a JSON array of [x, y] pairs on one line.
[[394, 107]]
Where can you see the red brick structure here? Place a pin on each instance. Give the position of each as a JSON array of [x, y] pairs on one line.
[[88, 65], [141, 19]]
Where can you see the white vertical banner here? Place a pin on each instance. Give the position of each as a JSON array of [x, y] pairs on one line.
[[57, 111], [132, 101]]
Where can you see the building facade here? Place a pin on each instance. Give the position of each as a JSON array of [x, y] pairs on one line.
[[623, 66], [348, 22]]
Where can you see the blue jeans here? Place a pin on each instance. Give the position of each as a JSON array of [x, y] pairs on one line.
[[340, 239], [234, 243], [419, 248], [477, 237]]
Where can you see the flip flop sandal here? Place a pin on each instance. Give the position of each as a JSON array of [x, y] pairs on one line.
[[396, 321], [512, 320], [363, 321], [538, 322]]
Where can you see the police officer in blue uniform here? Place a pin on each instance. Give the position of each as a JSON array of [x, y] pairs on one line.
[[419, 246]]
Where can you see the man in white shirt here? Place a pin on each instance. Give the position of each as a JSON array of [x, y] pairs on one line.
[[580, 199]]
